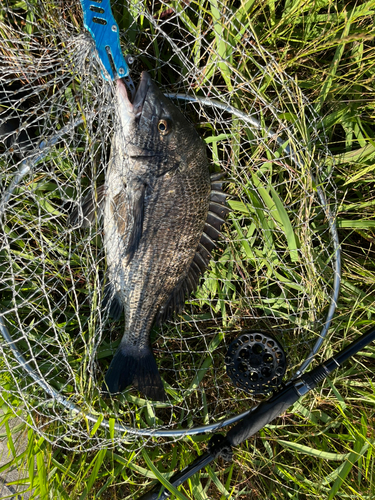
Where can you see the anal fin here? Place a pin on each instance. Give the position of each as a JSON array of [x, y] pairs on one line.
[[113, 300]]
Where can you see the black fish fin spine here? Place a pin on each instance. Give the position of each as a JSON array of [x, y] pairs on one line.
[[211, 232], [215, 220], [218, 196], [90, 204], [135, 367], [200, 262], [217, 176], [190, 281], [195, 271], [219, 209], [208, 243], [173, 304], [205, 254], [189, 284]]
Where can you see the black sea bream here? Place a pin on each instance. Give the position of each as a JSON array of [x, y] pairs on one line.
[[161, 217]]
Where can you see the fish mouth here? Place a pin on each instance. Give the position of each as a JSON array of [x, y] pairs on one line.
[[140, 95]]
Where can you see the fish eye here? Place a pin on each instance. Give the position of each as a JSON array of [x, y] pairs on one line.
[[163, 127]]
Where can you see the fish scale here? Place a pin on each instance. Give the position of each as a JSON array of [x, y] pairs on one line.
[[163, 255]]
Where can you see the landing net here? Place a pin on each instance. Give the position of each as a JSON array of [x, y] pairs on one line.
[[275, 269]]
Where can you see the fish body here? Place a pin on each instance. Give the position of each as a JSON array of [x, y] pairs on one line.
[[155, 207], [162, 213]]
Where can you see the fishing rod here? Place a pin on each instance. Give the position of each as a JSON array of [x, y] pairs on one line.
[[260, 416]]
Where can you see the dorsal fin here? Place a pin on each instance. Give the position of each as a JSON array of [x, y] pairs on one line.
[[211, 232], [217, 176], [207, 242], [219, 209]]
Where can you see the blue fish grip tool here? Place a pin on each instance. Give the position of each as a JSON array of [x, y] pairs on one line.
[[99, 21]]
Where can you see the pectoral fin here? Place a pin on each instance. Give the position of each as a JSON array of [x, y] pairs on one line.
[[138, 202], [128, 212]]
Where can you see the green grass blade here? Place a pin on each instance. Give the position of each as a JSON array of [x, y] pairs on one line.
[[160, 477]]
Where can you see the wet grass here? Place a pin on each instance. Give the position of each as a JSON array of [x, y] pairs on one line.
[[323, 447]]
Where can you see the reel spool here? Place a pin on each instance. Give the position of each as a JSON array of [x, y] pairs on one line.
[[256, 363]]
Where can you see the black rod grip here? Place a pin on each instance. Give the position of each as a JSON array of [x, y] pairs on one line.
[[280, 402], [315, 376], [267, 411]]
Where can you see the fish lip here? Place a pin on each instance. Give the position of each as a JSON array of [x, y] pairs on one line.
[[140, 95]]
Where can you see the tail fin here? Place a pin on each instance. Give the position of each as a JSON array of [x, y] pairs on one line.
[[136, 368]]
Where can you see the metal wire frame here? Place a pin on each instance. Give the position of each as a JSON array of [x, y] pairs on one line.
[[44, 148]]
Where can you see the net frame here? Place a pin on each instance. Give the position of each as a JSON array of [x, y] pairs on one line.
[[44, 149]]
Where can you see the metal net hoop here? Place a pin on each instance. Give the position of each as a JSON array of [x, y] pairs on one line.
[[277, 266]]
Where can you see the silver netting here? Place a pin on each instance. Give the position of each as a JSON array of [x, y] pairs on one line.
[[274, 267]]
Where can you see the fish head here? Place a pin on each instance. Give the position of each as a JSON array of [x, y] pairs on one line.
[[152, 124]]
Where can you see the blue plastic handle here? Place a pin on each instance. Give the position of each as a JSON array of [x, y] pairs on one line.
[[99, 21]]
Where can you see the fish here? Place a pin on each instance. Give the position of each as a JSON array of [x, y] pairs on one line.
[[162, 214]]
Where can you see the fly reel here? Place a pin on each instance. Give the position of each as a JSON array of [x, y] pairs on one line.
[[256, 363]]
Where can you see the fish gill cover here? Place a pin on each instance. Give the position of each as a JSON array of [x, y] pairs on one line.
[[273, 266]]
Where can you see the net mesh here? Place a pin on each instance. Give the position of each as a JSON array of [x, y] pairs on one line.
[[273, 269]]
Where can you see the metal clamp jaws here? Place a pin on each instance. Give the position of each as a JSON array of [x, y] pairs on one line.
[[99, 21]]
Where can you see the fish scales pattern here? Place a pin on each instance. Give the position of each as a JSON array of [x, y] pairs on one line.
[[155, 211], [173, 224]]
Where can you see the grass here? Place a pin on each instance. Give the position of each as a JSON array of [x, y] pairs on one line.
[[323, 447]]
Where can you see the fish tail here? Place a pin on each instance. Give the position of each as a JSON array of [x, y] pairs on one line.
[[137, 368]]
